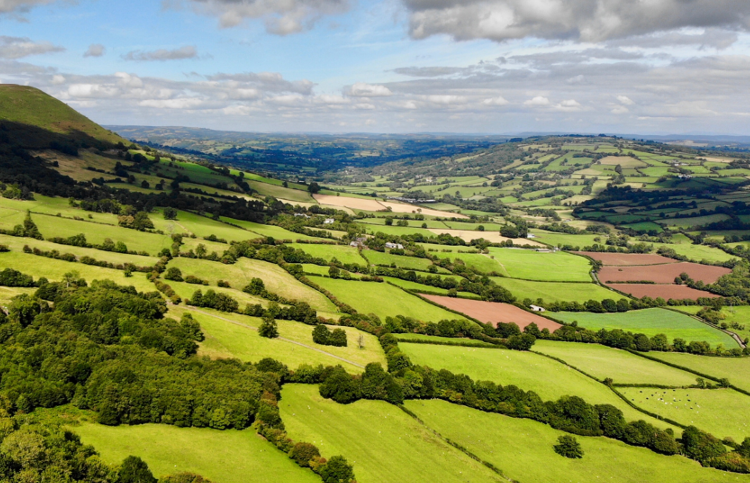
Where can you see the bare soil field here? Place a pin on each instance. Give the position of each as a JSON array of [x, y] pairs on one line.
[[628, 259], [493, 312], [375, 205], [677, 292], [406, 208], [491, 236], [662, 273]]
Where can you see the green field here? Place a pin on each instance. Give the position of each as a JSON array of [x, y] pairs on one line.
[[383, 300], [697, 253], [522, 449], [408, 263], [201, 226], [560, 239], [721, 412], [542, 266], [605, 362], [483, 263], [739, 314], [421, 288], [530, 372], [382, 442], [228, 456], [344, 254], [231, 335], [275, 278], [273, 231], [443, 340], [556, 291], [651, 322], [737, 370]]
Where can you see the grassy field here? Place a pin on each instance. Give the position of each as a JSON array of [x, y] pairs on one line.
[[560, 239], [739, 314], [201, 226], [382, 442], [7, 293], [383, 300], [550, 267], [408, 263], [344, 254], [483, 263], [621, 366], [721, 412], [443, 340], [651, 322], [269, 230], [522, 449], [225, 339], [556, 291], [54, 270], [229, 456], [697, 253], [530, 372], [737, 370], [289, 194], [275, 278], [426, 288]]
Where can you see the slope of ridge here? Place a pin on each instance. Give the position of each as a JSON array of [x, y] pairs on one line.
[[30, 106]]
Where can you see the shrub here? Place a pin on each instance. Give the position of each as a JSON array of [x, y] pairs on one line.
[[173, 273], [268, 328], [569, 447], [303, 453]]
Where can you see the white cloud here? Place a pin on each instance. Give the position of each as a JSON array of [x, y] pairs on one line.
[[625, 100], [446, 99], [182, 53], [495, 101], [95, 50], [538, 101], [361, 89], [20, 6], [620, 110], [58, 79], [570, 105], [179, 103], [19, 47]]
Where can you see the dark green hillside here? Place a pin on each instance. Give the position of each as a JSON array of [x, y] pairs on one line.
[[32, 107]]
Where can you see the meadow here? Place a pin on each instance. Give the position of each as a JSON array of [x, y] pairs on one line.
[[380, 440], [621, 366], [344, 254], [651, 322], [721, 412], [556, 291], [421, 288], [522, 449], [542, 266], [559, 239], [228, 456], [736, 370], [272, 231], [233, 336], [531, 372], [408, 263], [383, 299]]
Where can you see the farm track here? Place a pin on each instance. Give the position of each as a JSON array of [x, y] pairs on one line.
[[280, 338]]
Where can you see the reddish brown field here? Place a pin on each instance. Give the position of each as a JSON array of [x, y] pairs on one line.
[[677, 292], [620, 259], [662, 273], [493, 312]]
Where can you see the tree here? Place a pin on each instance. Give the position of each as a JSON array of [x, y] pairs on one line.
[[30, 229], [173, 273], [320, 334], [268, 328], [337, 338], [701, 446], [170, 214], [313, 188], [569, 447], [135, 470], [303, 453], [337, 470]]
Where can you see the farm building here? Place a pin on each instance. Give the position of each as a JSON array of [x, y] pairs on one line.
[[394, 245]]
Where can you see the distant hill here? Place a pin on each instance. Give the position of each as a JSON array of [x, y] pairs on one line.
[[28, 106]]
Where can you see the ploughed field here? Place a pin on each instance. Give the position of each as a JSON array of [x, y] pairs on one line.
[[677, 292], [628, 259], [662, 274]]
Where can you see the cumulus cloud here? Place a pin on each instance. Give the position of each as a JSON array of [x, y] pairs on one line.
[[186, 52], [18, 47], [95, 50], [625, 100], [495, 101], [538, 101], [281, 17], [427, 71], [585, 20], [361, 89]]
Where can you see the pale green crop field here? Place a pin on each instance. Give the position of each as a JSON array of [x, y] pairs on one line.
[[225, 339], [228, 456], [556, 291], [721, 412], [383, 300], [344, 254], [621, 366], [522, 449], [533, 265], [531, 372], [382, 442]]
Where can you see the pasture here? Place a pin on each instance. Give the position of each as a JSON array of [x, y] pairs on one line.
[[528, 371], [344, 254], [273, 231], [383, 300], [522, 449], [650, 322], [380, 440], [556, 291], [736, 370], [721, 412], [421, 288], [542, 266], [408, 263], [233, 335], [228, 456], [621, 366]]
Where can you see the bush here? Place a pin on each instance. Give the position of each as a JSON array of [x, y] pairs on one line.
[[303, 453], [173, 273], [268, 328], [569, 447]]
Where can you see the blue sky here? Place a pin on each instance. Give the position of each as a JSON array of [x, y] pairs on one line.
[[489, 66]]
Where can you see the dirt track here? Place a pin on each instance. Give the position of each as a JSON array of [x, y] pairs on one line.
[[493, 312]]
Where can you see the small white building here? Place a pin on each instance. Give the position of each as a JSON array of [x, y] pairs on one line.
[[536, 308], [394, 245], [329, 221], [303, 215]]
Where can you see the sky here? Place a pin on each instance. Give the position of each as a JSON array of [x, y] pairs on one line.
[[390, 66]]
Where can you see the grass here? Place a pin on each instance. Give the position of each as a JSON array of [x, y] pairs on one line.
[[229, 456], [382, 442], [739, 314], [531, 372], [225, 339], [275, 278], [621, 366], [522, 449], [54, 270], [560, 239], [383, 300], [289, 194], [53, 206], [418, 287], [697, 253], [721, 412], [269, 230], [737, 370], [442, 340], [344, 254], [483, 263], [408, 263], [556, 291], [201, 226], [651, 322], [533, 265], [7, 293]]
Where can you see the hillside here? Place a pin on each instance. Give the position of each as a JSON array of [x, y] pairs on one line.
[[32, 107]]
